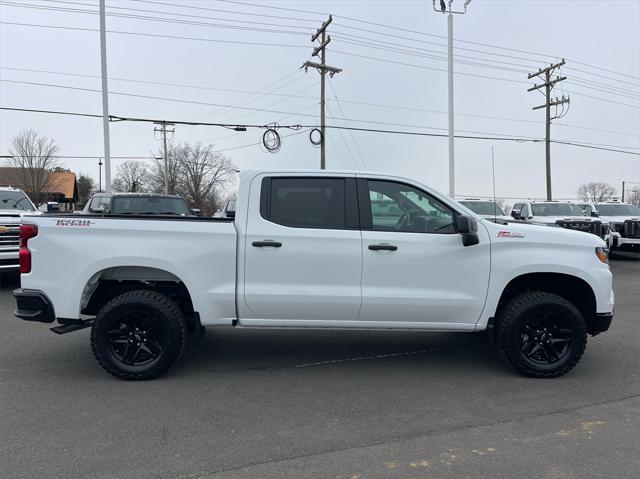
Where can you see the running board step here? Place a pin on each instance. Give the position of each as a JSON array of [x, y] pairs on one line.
[[71, 327]]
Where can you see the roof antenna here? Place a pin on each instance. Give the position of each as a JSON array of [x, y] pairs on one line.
[[493, 174]]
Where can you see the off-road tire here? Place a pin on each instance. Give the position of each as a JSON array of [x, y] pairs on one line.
[[167, 320], [511, 320]]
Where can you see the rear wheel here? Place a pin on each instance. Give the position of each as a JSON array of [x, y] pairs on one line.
[[138, 335], [540, 334]]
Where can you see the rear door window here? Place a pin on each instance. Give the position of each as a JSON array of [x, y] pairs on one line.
[[305, 202]]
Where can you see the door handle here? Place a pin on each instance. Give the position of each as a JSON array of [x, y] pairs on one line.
[[382, 246], [262, 244]]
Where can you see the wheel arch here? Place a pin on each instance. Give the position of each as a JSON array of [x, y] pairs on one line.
[[572, 288], [113, 281]]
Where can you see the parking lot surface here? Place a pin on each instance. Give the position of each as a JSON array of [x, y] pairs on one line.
[[315, 404]]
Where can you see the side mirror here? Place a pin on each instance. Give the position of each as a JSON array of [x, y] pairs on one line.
[[515, 214], [468, 229], [595, 214], [99, 209], [195, 211]]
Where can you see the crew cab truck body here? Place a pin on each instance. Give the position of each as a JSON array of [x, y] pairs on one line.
[[316, 249]]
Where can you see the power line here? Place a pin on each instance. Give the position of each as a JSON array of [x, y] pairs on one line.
[[175, 14], [427, 68], [300, 127], [498, 47], [470, 63], [149, 82], [299, 19], [261, 15], [310, 97], [156, 35], [153, 19], [364, 164]]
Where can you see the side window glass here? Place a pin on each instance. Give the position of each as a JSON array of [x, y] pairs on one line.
[[94, 203], [400, 207], [307, 202], [105, 203]]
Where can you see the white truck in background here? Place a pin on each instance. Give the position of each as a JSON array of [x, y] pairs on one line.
[[560, 214], [487, 209], [316, 249], [13, 204], [622, 221]]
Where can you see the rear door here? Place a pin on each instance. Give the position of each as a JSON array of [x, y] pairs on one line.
[[303, 251], [415, 267]]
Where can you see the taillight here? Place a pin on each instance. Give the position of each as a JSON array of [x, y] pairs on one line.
[[26, 232]]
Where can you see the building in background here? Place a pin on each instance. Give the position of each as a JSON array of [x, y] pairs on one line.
[[60, 187]]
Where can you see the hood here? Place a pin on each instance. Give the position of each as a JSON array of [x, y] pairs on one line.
[[553, 219], [17, 214], [501, 219], [539, 234], [11, 215]]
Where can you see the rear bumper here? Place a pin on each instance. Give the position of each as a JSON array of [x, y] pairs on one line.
[[599, 323], [34, 305]]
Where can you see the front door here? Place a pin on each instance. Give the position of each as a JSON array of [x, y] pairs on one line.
[[303, 251], [415, 267]]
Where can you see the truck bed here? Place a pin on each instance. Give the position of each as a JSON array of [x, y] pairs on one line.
[[80, 249]]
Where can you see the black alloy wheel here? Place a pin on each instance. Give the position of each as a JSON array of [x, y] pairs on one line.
[[138, 335]]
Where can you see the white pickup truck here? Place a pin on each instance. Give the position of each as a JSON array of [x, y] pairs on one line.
[[316, 249], [13, 204]]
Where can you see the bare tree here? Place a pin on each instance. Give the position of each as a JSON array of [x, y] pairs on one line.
[[633, 197], [86, 187], [203, 174], [157, 174], [131, 177], [504, 206], [596, 191], [33, 157]]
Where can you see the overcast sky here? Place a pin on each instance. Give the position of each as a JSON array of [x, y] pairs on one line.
[[401, 70]]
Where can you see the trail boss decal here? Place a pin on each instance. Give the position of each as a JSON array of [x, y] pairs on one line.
[[75, 223], [509, 234]]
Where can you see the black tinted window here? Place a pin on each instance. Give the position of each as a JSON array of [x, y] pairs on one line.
[[307, 202]]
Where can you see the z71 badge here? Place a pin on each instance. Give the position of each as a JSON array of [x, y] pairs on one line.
[[78, 223]]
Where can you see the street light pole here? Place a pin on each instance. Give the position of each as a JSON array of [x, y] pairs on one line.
[[105, 98], [443, 9]]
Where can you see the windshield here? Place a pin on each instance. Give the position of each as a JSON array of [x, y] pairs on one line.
[[149, 205], [556, 209], [484, 207], [618, 210], [15, 200]]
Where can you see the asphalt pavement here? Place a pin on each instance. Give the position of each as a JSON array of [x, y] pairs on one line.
[[316, 404]]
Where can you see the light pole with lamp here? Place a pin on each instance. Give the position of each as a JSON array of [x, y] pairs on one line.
[[444, 9]]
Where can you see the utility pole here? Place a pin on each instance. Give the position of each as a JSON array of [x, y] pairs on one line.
[[443, 9], [105, 98], [99, 175], [545, 75], [164, 130], [323, 69]]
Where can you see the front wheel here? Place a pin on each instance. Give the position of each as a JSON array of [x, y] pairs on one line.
[[540, 334], [138, 335]]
